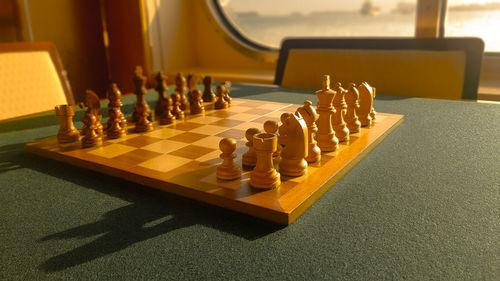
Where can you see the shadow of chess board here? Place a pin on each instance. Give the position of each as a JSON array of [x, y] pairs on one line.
[[181, 158]]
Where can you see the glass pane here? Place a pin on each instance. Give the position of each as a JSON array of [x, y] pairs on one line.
[[269, 21], [479, 18]]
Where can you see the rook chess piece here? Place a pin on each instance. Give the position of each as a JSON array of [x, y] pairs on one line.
[[208, 93], [264, 175], [250, 157], [327, 141], [67, 131], [365, 104], [293, 137], [338, 123], [228, 170], [220, 103], [310, 116], [351, 116]]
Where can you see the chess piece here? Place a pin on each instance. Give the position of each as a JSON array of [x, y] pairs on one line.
[[176, 110], [196, 102], [140, 92], [220, 103], [293, 136], [114, 109], [264, 175], [272, 127], [180, 89], [365, 104], [351, 117], [208, 93], [227, 98], [94, 106], [90, 136], [163, 109], [327, 141], [143, 124], [250, 157], [338, 123], [373, 113], [310, 116], [67, 131], [228, 170]]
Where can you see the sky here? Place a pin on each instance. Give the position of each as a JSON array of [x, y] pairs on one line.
[[280, 7]]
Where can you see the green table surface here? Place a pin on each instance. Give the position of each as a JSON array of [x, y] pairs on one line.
[[424, 204]]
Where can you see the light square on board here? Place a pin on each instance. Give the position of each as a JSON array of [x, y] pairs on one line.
[[164, 133], [271, 106], [165, 163], [112, 150], [165, 146], [245, 116], [238, 108], [205, 119], [210, 141], [249, 125], [209, 129]]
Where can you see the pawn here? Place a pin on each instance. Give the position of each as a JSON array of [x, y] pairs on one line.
[[220, 103], [250, 157], [228, 170], [351, 116], [208, 93], [196, 102], [227, 98], [143, 124], [176, 110], [373, 113], [114, 129], [167, 117], [67, 131], [90, 136], [180, 89], [271, 127]]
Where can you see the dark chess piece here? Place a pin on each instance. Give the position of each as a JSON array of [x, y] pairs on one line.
[[114, 96], [164, 104], [114, 129], [196, 102], [180, 89], [90, 136], [143, 124], [140, 92], [94, 106], [227, 86], [176, 110], [220, 103], [208, 93], [67, 131]]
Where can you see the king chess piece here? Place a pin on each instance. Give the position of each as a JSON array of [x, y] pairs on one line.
[[327, 141], [67, 131]]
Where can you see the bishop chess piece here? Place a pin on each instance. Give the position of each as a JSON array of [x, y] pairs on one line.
[[327, 141], [338, 123], [365, 104], [271, 127], [293, 137], [228, 170], [264, 175], [221, 102], [250, 157], [164, 104], [67, 131], [310, 116], [140, 92], [117, 123], [208, 93], [351, 116]]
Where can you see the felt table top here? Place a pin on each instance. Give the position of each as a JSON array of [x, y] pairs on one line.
[[424, 204]]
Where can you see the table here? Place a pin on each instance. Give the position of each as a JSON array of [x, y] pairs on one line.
[[424, 204]]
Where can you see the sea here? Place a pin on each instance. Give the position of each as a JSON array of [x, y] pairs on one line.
[[270, 30]]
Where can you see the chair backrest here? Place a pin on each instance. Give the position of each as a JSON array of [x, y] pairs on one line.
[[32, 79], [445, 68]]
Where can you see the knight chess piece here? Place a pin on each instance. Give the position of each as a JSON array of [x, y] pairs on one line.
[[310, 116], [365, 104], [327, 141], [67, 132], [293, 136], [264, 175], [228, 170], [94, 106], [250, 157]]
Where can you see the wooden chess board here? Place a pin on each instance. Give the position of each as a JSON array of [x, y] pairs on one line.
[[181, 158]]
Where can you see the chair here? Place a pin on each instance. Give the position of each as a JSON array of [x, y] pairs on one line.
[[32, 79], [445, 68]]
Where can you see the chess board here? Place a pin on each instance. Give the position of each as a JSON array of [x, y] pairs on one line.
[[181, 158]]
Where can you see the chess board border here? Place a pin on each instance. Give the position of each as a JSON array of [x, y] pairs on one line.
[[283, 210]]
